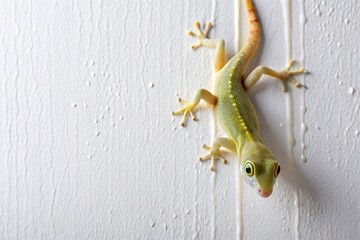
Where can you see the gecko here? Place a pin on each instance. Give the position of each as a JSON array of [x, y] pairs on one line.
[[233, 108]]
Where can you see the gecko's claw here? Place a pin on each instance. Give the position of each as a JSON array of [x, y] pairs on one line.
[[194, 47], [186, 111], [290, 64], [213, 155], [297, 83], [200, 35], [287, 73], [191, 33]]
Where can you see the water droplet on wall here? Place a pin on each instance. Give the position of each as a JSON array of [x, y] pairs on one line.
[[303, 158], [151, 223], [351, 90]]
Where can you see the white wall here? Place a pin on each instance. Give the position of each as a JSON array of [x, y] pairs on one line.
[[90, 150]]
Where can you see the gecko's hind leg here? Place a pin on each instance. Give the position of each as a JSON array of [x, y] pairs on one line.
[[283, 76], [204, 41], [190, 106]]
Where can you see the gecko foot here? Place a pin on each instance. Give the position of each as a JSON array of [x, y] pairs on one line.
[[287, 73], [214, 154], [188, 109], [200, 35]]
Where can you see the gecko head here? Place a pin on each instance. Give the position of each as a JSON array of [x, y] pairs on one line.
[[259, 168]]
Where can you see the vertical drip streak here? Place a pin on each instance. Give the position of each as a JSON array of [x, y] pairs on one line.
[[302, 62], [212, 200], [16, 98], [213, 15], [238, 179], [213, 127], [303, 105], [286, 6], [297, 214]]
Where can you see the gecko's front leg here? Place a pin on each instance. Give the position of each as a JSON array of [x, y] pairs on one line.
[[190, 106], [215, 152]]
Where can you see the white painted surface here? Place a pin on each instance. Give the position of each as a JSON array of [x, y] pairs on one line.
[[89, 148]]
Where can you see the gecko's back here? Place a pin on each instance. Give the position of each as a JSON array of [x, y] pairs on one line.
[[234, 108]]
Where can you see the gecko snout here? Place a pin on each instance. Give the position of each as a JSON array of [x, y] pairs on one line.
[[264, 194]]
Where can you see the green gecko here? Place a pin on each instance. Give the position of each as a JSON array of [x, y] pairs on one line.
[[233, 108]]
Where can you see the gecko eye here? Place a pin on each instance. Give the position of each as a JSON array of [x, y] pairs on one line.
[[277, 170], [249, 168]]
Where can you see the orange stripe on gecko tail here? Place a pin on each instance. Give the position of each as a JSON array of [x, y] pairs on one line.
[[254, 30]]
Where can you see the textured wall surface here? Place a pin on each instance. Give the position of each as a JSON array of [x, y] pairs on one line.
[[89, 149]]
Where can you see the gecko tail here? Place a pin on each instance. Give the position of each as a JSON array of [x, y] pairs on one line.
[[254, 31]]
